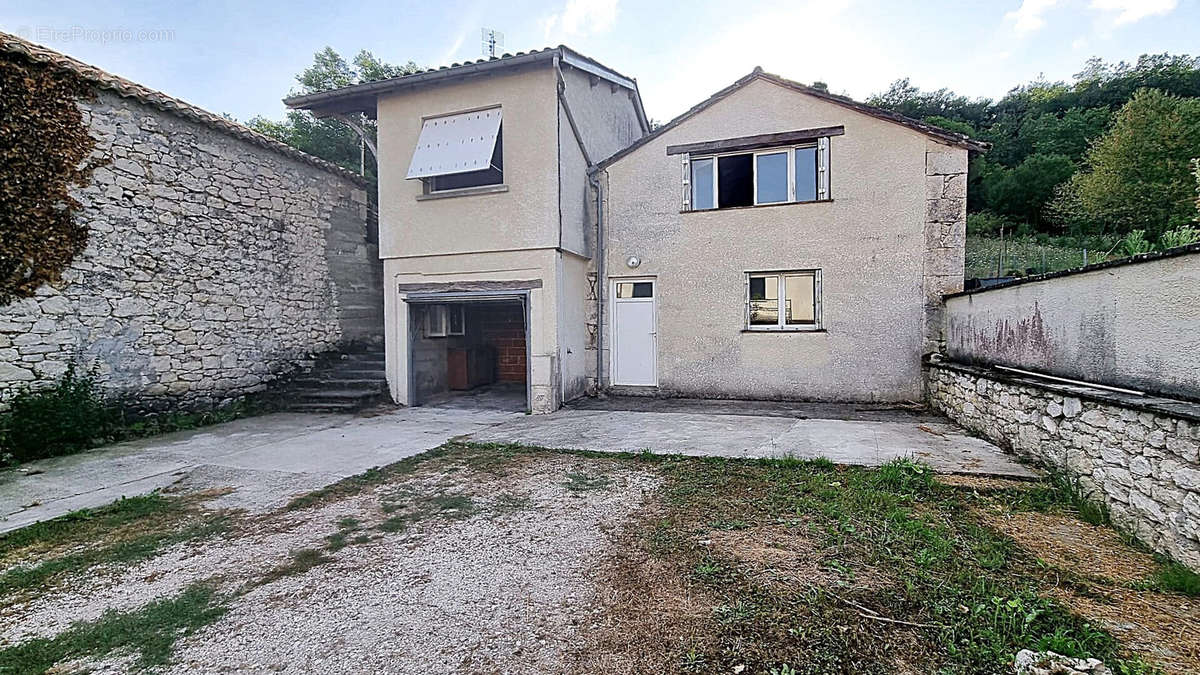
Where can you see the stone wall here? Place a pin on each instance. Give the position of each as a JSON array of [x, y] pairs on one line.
[[213, 265], [1137, 454]]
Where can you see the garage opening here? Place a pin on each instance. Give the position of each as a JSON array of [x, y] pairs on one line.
[[469, 351]]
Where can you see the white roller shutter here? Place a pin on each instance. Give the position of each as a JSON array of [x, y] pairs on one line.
[[456, 144]]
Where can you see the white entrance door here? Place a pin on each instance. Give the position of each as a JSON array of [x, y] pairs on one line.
[[635, 343]]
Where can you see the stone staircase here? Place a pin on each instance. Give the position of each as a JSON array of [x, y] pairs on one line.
[[345, 383]]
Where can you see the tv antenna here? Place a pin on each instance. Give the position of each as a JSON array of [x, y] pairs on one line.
[[493, 42]]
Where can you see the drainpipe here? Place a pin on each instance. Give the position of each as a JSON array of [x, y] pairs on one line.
[[601, 283]]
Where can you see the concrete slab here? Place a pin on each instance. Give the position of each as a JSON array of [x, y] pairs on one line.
[[933, 440], [266, 460]]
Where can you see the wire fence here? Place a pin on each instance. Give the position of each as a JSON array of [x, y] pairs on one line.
[[994, 257]]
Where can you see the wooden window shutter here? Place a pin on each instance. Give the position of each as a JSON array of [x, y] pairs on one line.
[[687, 183], [823, 168]]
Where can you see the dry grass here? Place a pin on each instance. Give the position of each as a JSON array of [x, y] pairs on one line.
[[1101, 573]]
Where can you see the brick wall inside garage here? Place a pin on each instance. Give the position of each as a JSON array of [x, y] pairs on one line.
[[503, 326]]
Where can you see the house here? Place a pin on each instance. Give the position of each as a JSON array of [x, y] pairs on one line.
[[774, 241], [483, 210]]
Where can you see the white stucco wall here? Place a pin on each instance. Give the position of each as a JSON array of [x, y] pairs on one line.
[[1135, 325], [869, 243], [524, 217]]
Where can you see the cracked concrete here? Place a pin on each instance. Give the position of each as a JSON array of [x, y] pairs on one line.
[[844, 433], [267, 459]]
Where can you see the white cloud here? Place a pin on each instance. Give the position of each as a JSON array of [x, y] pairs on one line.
[[1029, 16], [1132, 11], [579, 18]]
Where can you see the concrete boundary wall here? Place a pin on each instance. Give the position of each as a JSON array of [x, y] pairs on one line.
[[1132, 323], [1137, 455], [213, 265]]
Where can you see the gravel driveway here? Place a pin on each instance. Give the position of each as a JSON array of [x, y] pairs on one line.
[[458, 564]]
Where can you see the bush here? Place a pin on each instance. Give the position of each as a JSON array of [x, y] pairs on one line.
[[989, 224], [69, 417]]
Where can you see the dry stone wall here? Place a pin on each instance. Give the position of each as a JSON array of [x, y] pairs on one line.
[[213, 266], [1138, 455]]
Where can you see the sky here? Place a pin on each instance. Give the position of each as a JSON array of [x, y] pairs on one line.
[[241, 58]]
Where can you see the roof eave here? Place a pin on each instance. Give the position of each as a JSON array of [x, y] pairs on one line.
[[942, 135]]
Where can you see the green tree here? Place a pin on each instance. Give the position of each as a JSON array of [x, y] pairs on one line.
[[327, 138], [1139, 175], [1023, 191]]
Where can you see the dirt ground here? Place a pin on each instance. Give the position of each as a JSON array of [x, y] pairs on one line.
[[490, 559]]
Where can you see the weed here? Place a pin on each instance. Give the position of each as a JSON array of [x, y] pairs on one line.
[[65, 418], [508, 502], [709, 569], [453, 506], [394, 524], [905, 476], [73, 415], [300, 561], [582, 482], [150, 632], [973, 592], [335, 542], [693, 662], [1173, 577]]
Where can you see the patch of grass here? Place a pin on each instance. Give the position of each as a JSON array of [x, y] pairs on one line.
[[905, 476], [394, 524], [150, 632], [508, 502], [899, 545], [300, 561], [449, 506], [85, 521], [453, 506], [339, 540], [123, 551], [1058, 492], [1173, 577], [584, 482]]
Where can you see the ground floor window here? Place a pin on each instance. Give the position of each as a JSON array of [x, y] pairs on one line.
[[783, 300]]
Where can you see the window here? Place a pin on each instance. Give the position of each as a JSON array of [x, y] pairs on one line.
[[459, 150], [457, 320], [806, 173], [436, 320], [792, 174], [783, 300], [704, 190], [735, 181], [635, 289], [771, 178]]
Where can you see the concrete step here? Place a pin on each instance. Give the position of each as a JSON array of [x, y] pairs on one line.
[[356, 373], [337, 394], [341, 381]]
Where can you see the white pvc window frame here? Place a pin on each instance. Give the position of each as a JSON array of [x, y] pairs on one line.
[[781, 324], [823, 194]]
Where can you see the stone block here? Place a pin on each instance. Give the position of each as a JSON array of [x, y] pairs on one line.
[[942, 161], [1188, 479], [1071, 407]]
